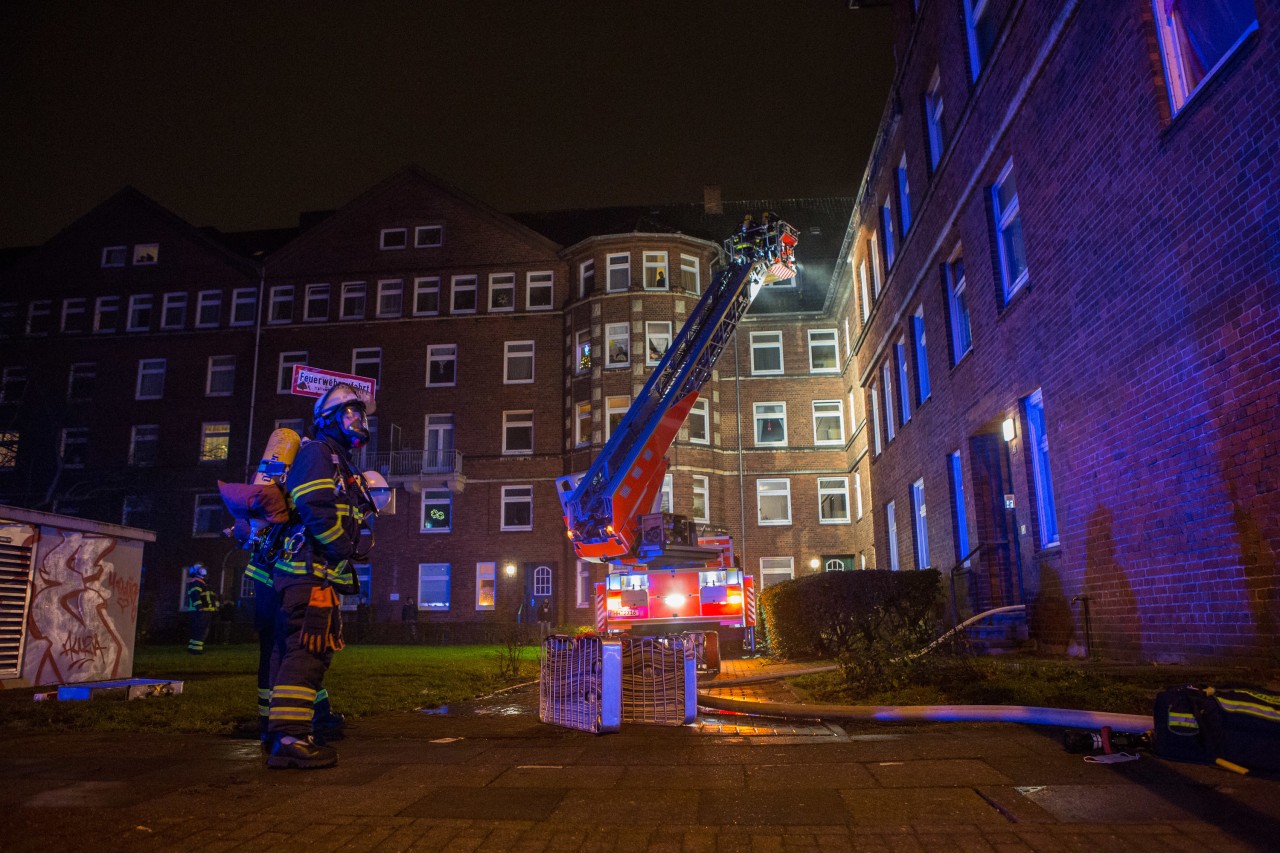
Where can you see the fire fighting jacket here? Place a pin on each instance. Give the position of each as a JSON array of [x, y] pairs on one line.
[[200, 597]]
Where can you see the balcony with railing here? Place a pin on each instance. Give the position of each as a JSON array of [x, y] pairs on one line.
[[409, 468]]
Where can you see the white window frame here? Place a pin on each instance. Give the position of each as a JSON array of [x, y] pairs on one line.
[[424, 286], [316, 296], [958, 306], [780, 568], [903, 183], [773, 410], [486, 577], [428, 236], [284, 370], [620, 263], [208, 301], [877, 274], [866, 291], [542, 580], [701, 488], [886, 376], [516, 419], [586, 273], [762, 342], [773, 488], [920, 520], [582, 352], [73, 437], [435, 570], [442, 353], [439, 439], [150, 368], [173, 303], [955, 467], [584, 589], [828, 486], [617, 333], [280, 302], [655, 331], [857, 493], [513, 496], [139, 435], [213, 435], [209, 507], [140, 304], [891, 530], [904, 379], [933, 117], [146, 254], [1178, 71], [656, 272], [504, 283], [582, 424], [390, 297], [393, 239], [240, 297], [874, 394], [114, 256], [820, 339], [106, 307], [461, 286], [690, 269], [352, 292], [826, 410], [614, 406], [535, 285], [1005, 219], [973, 12], [81, 371], [1038, 444], [919, 342], [40, 313], [515, 354], [701, 410], [435, 498], [218, 367], [73, 308], [886, 230], [361, 360]]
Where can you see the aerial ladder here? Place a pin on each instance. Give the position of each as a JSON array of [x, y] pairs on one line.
[[605, 506]]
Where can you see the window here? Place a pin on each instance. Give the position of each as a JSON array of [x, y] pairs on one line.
[[959, 516], [904, 197], [582, 424], [114, 256], [244, 306], [773, 502], [106, 313], [848, 341], [933, 120], [921, 354], [657, 340], [958, 304], [140, 307], [690, 274], [766, 353], [771, 424], [74, 315], [866, 293], [362, 572], [615, 409], [317, 303], [208, 309], [280, 305], [173, 311], [9, 450], [426, 296], [208, 516], [215, 441], [619, 272], [833, 500], [617, 342], [586, 277], [701, 499], [542, 580], [698, 422], [873, 252], [517, 507], [888, 402], [502, 291], [921, 524], [584, 587], [433, 586], [665, 501], [776, 570], [1008, 227], [886, 228], [828, 422], [824, 351], [539, 291], [39, 316], [80, 380], [904, 380], [874, 394], [442, 364], [220, 378], [1195, 38], [463, 294], [655, 271], [150, 385], [1038, 440], [517, 432], [891, 529], [428, 236], [437, 510], [139, 511], [353, 294], [390, 298], [144, 445], [857, 493], [486, 585], [367, 362], [295, 424], [73, 446], [146, 254], [393, 238], [284, 374], [439, 441], [980, 26], [518, 363], [582, 351]]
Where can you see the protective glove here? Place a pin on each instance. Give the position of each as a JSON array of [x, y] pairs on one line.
[[321, 625]]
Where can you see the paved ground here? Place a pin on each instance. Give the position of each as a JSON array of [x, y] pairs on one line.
[[491, 777]]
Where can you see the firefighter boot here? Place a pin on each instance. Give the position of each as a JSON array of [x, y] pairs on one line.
[[301, 753]]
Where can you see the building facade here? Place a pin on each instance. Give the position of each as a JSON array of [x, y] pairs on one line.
[[1063, 277]]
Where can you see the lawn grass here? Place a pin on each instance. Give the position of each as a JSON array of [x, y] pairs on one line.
[[220, 692]]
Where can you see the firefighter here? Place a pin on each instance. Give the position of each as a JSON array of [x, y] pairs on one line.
[[203, 603], [330, 502]]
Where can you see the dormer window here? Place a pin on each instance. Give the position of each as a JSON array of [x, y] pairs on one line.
[[428, 236], [114, 256], [394, 238], [146, 254]]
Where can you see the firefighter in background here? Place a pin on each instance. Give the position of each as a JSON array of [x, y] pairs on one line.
[[330, 502], [203, 603]]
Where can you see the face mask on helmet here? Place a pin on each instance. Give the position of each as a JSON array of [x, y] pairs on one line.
[[353, 422]]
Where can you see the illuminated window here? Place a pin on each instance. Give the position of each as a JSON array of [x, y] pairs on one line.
[[1196, 37], [486, 585], [921, 524], [144, 445], [958, 303], [207, 521], [150, 384], [9, 450], [502, 292], [766, 353], [284, 373], [140, 309], [74, 446], [615, 409], [390, 298], [980, 26], [824, 351], [146, 254], [1008, 230], [828, 422], [933, 120], [393, 238], [771, 424], [582, 351], [220, 376], [244, 306], [437, 510], [701, 499], [517, 507], [517, 432], [433, 586], [690, 276], [617, 342], [655, 271], [518, 361], [442, 364], [698, 422], [666, 497], [539, 291], [619, 272], [463, 294], [833, 500], [657, 339], [316, 305], [773, 502], [428, 236], [582, 424], [215, 441], [208, 309], [426, 296], [353, 300], [173, 311]]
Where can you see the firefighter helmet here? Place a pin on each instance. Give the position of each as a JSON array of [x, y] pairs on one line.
[[340, 395], [344, 411], [197, 570]]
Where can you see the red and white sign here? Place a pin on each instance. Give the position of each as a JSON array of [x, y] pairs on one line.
[[313, 382]]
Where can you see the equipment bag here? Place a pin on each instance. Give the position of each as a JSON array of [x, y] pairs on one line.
[[1200, 723]]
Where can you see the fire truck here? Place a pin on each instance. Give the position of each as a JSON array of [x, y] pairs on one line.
[[664, 569]]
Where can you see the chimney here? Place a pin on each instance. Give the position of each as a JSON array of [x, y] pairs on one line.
[[711, 201]]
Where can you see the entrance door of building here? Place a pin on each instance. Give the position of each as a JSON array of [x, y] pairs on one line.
[[996, 577]]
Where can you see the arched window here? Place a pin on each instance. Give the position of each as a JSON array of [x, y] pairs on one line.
[[836, 565], [542, 580]]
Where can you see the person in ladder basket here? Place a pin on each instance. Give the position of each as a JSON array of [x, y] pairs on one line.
[[202, 602], [330, 502]]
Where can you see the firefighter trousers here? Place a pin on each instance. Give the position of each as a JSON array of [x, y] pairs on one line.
[[296, 673], [201, 620], [266, 610]]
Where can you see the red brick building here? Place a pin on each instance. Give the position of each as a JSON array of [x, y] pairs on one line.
[[1063, 277]]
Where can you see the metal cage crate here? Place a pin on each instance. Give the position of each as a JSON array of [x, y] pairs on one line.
[[659, 680], [579, 683]]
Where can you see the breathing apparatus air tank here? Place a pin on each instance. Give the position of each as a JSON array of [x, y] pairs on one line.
[[277, 458]]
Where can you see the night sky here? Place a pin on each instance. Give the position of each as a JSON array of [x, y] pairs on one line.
[[242, 115]]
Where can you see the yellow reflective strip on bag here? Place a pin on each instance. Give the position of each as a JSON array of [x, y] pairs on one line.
[[1253, 709], [1178, 720]]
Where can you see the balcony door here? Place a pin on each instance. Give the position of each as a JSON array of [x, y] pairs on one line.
[[439, 443]]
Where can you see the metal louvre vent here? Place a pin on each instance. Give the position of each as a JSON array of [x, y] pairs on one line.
[[16, 547]]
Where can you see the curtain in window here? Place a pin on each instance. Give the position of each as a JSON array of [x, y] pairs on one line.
[[1211, 26]]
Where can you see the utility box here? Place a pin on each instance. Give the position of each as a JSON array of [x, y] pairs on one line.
[[69, 594]]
